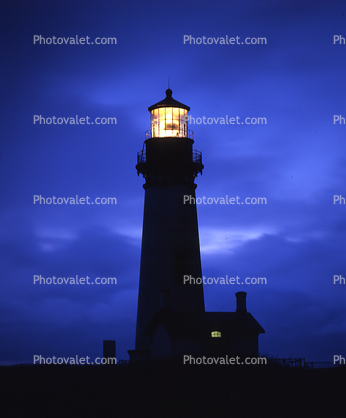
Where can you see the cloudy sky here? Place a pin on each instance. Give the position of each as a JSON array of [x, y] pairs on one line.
[[296, 161]]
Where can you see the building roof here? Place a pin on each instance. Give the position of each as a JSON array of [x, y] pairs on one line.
[[168, 102]]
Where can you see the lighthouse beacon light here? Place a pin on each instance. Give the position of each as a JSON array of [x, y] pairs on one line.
[[169, 118]]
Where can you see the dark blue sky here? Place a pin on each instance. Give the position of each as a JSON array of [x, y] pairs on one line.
[[297, 161]]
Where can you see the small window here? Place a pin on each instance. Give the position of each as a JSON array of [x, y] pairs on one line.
[[216, 334]]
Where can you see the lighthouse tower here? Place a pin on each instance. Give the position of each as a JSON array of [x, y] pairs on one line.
[[170, 241]]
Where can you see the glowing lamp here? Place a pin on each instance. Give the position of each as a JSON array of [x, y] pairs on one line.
[[169, 119]]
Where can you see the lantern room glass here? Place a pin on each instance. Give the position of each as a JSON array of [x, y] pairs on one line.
[[168, 122]]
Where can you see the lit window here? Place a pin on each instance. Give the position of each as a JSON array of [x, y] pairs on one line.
[[216, 334], [168, 122]]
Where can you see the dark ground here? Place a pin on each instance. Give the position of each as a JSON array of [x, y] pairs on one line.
[[172, 390]]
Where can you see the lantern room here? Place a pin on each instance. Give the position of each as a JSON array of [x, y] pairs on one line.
[[169, 118]]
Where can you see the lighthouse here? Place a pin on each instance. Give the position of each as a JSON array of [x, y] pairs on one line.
[[170, 241], [171, 317]]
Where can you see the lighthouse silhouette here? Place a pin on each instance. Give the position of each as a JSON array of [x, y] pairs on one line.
[[171, 317]]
